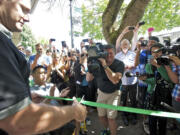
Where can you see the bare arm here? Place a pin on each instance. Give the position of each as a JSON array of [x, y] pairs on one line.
[[41, 118], [89, 77], [118, 41], [61, 73], [136, 63], [172, 75], [135, 37], [49, 69], [33, 65], [112, 76]]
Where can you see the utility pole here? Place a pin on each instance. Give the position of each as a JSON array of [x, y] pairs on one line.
[[72, 39]]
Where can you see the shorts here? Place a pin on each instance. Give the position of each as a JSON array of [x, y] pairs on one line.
[[108, 98]]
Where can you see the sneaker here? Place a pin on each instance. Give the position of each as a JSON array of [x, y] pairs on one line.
[[146, 127], [105, 132], [88, 122]]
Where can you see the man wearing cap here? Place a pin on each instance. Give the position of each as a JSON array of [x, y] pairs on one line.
[[18, 114]]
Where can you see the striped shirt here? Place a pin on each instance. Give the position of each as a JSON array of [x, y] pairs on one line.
[[176, 90]]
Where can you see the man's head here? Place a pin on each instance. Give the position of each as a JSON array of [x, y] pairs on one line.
[[39, 48], [152, 41], [111, 53], [48, 52], [125, 45], [20, 48], [14, 13], [28, 51], [39, 75], [155, 50]]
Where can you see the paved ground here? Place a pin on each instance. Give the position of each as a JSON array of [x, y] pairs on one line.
[[137, 129]]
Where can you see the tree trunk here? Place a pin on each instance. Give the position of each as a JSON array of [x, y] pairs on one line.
[[132, 15], [109, 17]]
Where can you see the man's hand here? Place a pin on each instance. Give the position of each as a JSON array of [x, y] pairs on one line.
[[138, 45], [103, 61], [129, 67], [136, 28], [175, 59], [154, 62], [36, 98], [51, 92], [64, 92], [80, 111], [82, 44], [126, 30], [142, 77]]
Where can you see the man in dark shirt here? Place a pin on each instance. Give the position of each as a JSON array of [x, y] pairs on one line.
[[18, 114], [108, 82]]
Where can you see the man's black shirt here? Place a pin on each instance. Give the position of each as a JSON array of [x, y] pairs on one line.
[[103, 83], [14, 73]]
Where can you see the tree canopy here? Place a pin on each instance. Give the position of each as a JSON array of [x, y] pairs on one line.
[[105, 19], [27, 37]]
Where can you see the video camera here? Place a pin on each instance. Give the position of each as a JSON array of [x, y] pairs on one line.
[[95, 52], [168, 50]]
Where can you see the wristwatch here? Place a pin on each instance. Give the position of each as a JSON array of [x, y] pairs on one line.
[[105, 66]]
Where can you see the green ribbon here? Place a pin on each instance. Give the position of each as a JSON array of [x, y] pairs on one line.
[[122, 108]]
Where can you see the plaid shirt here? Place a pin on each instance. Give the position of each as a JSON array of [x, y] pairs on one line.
[[176, 90]]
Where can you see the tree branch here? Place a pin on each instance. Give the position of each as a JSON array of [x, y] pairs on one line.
[[109, 16]]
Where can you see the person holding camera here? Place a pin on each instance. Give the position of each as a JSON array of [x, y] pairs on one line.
[[18, 114], [159, 87], [129, 84], [80, 70], [39, 58], [174, 74], [56, 72], [108, 83], [141, 59]]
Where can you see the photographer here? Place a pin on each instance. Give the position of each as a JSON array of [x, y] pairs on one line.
[[56, 72], [108, 82], [141, 59], [80, 70], [125, 53], [39, 58], [174, 75], [129, 84], [159, 88]]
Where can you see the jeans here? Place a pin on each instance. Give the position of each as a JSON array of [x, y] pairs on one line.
[[162, 122], [130, 90]]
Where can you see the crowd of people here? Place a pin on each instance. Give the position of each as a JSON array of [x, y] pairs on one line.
[[127, 74]]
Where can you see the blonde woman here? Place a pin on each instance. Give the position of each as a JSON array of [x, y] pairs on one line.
[[56, 72]]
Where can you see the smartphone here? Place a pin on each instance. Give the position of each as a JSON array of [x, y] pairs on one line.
[[63, 43], [141, 23], [131, 28], [52, 39], [69, 54], [85, 40]]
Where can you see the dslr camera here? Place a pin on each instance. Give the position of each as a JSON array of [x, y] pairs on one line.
[[173, 49], [144, 43], [94, 53]]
